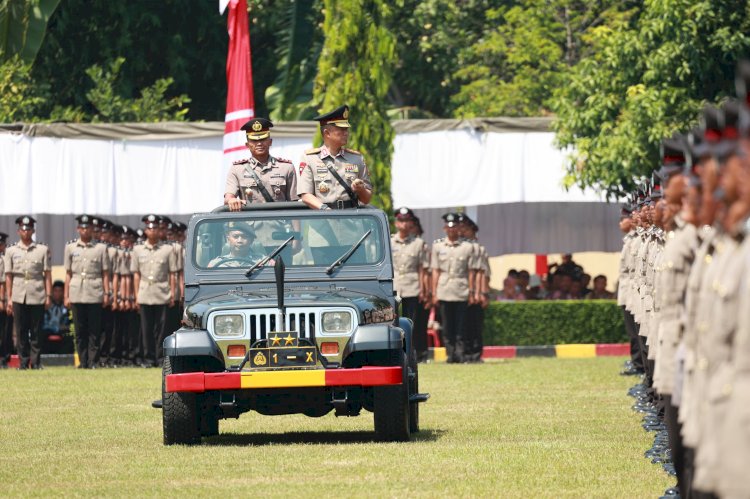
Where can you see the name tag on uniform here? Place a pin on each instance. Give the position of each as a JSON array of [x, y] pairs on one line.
[[321, 169], [351, 168], [246, 175]]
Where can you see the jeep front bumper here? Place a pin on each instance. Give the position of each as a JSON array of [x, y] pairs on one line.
[[200, 382]]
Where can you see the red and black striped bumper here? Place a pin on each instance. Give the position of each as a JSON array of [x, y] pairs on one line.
[[201, 382]]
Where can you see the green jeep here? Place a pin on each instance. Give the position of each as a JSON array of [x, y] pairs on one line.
[[289, 310]]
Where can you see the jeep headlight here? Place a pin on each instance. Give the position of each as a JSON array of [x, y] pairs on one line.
[[229, 325], [337, 322]]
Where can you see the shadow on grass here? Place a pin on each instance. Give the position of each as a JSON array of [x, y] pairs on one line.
[[310, 437]]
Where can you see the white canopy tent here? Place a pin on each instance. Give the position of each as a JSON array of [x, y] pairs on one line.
[[506, 173]]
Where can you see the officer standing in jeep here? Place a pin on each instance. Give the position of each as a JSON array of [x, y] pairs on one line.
[[262, 178], [332, 176]]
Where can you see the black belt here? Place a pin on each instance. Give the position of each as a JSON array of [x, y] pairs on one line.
[[340, 205]]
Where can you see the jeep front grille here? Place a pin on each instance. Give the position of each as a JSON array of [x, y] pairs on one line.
[[301, 320]]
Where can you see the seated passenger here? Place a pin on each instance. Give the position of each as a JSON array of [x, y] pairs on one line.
[[240, 237]]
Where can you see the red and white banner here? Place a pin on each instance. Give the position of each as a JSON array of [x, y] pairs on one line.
[[240, 102]]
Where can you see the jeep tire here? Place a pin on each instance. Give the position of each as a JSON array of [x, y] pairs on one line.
[[413, 390], [391, 409], [179, 410]]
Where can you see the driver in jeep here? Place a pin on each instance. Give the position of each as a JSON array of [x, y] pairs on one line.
[[242, 252]]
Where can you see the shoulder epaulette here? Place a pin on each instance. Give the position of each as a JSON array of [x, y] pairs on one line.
[[352, 151], [314, 150], [438, 240], [72, 241], [283, 160], [241, 161]]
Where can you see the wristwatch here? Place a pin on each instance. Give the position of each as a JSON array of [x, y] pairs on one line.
[[324, 207]]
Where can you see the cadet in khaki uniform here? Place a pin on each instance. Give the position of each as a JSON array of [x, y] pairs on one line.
[[28, 285], [6, 324], [478, 292], [627, 226], [86, 289], [671, 284], [318, 186], [408, 252], [262, 178], [453, 271], [154, 266]]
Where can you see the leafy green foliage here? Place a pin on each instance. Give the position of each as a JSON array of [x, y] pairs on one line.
[[152, 105], [429, 37], [23, 25], [356, 68], [513, 69], [299, 45], [19, 97], [553, 322], [643, 81]]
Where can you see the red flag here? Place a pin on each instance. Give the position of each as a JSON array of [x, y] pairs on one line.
[[240, 103]]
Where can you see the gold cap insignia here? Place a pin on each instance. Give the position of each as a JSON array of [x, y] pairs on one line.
[[257, 126], [346, 114]]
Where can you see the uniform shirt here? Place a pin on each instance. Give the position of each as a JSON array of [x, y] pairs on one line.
[[123, 262], [86, 262], [278, 177], [671, 286], [27, 265], [453, 260], [623, 284], [154, 264], [408, 258], [2, 272], [315, 179]]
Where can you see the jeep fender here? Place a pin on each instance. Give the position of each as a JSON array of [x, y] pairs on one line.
[[192, 343], [377, 337]]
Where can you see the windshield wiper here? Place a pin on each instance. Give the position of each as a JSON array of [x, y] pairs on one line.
[[264, 260], [343, 258]]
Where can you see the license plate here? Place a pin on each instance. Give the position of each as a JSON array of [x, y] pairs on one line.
[[283, 357]]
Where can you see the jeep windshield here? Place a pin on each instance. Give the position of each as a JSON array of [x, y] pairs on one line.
[[318, 240]]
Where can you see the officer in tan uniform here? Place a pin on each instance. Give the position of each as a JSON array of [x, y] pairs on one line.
[[628, 227], [332, 176], [479, 292], [28, 285], [454, 269], [86, 289], [154, 266], [408, 252], [6, 324], [262, 178]]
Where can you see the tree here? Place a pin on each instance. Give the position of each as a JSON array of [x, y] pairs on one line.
[[513, 69], [23, 25], [644, 81], [429, 37], [19, 97], [356, 68]]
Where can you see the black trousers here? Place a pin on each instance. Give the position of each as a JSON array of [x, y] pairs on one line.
[[27, 322], [152, 332], [635, 345], [674, 427], [409, 307], [118, 347], [135, 338], [6, 338], [420, 331], [473, 342], [87, 319], [453, 314], [105, 341]]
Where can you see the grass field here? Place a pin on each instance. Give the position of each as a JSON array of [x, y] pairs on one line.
[[535, 427]]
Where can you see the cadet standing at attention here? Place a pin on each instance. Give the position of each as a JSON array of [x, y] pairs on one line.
[[6, 325], [332, 176], [153, 265], [408, 252], [86, 289], [262, 178], [28, 286], [454, 269]]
